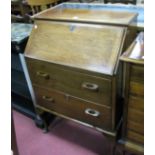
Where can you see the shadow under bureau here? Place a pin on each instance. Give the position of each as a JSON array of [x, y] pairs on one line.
[[72, 57]]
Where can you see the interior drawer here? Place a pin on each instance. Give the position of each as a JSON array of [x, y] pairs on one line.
[[75, 108], [91, 88]]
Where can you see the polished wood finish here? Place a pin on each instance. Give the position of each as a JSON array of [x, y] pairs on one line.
[[63, 13], [133, 125], [75, 108], [69, 44], [72, 83], [74, 66]]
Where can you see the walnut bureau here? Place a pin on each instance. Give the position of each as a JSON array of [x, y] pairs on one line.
[[72, 57], [133, 124]]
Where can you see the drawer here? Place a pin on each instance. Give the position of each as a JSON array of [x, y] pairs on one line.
[[75, 108], [91, 88]]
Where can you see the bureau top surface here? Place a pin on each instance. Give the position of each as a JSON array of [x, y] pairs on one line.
[[67, 12]]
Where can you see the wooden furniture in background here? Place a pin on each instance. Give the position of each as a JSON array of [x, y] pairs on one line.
[[133, 124], [121, 1], [19, 7], [20, 11], [40, 5], [74, 75]]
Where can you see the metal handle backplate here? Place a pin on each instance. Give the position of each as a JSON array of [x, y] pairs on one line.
[[47, 98], [90, 86], [92, 112], [43, 74]]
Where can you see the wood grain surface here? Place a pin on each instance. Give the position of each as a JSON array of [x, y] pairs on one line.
[[74, 107], [87, 15], [70, 82], [90, 47]]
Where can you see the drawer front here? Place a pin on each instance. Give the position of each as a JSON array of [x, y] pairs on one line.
[[91, 88], [75, 108]]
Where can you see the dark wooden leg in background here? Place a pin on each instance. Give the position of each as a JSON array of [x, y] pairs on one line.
[[43, 119]]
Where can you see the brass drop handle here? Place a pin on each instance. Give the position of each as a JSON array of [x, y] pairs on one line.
[[43, 74], [92, 112], [47, 98], [90, 86]]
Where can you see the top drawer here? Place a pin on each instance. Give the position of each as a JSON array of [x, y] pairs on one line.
[[94, 89]]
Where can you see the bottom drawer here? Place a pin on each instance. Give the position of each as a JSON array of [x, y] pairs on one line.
[[75, 108]]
